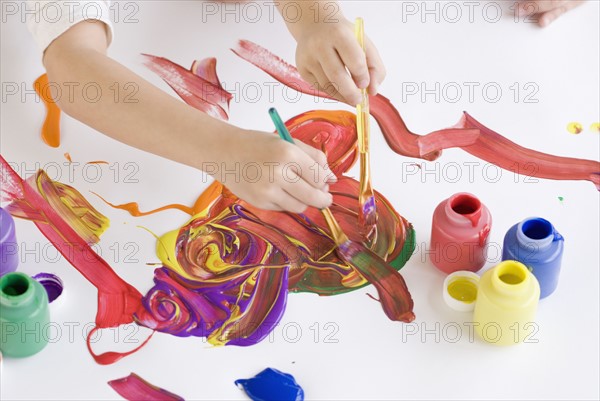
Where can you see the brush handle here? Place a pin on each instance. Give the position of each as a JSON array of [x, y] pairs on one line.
[[367, 214], [280, 126]]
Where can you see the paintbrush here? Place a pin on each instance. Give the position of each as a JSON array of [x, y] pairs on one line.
[[393, 292], [366, 198]]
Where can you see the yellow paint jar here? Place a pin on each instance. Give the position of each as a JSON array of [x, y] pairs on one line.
[[507, 301]]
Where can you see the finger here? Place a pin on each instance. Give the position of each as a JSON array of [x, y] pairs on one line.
[[376, 68], [313, 172], [548, 17], [353, 57], [335, 69], [323, 84], [314, 153], [533, 7], [305, 194], [319, 158], [288, 203]]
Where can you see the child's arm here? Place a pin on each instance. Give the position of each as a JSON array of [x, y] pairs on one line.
[[327, 46], [546, 11], [158, 123]]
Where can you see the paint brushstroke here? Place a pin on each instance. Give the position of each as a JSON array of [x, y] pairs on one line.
[[51, 128], [272, 384], [199, 89], [468, 134], [134, 388], [71, 229]]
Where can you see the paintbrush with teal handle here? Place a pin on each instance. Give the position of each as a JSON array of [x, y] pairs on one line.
[[393, 292]]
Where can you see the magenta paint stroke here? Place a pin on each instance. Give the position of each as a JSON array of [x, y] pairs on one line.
[[134, 388]]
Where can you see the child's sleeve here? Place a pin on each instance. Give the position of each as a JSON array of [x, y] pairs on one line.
[[47, 20]]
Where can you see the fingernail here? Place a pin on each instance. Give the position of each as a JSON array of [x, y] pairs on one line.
[[545, 21], [363, 83]]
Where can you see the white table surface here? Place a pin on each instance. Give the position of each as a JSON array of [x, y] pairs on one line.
[[340, 347]]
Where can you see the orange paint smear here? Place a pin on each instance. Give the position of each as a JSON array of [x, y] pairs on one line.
[[134, 209], [68, 157], [51, 127], [208, 197], [97, 162]]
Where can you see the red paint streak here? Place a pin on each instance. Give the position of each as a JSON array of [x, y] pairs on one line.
[[117, 300], [469, 135], [215, 100], [51, 127]]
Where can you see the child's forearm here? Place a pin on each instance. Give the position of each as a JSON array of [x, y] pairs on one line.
[[300, 15], [139, 114]]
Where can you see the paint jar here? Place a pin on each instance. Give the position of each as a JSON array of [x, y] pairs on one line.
[[459, 234], [24, 315], [507, 300], [536, 243], [9, 253], [460, 290]]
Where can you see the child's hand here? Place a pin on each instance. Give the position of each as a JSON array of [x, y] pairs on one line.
[[547, 11], [272, 174], [324, 52]]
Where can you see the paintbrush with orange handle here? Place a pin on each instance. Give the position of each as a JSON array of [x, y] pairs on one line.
[[393, 292], [367, 215]]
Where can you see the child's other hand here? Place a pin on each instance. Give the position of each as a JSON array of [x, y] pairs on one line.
[[546, 11], [272, 174], [324, 52]]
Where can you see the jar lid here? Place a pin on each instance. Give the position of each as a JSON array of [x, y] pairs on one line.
[[460, 290]]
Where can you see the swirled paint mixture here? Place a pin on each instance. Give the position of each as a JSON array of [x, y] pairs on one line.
[[227, 272]]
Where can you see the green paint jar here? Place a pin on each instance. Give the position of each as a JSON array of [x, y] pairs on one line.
[[24, 315]]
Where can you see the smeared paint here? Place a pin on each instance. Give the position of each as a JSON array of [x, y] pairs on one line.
[[561, 199], [51, 127], [134, 388], [468, 134], [270, 385], [68, 157], [64, 216], [228, 270], [134, 209], [97, 162], [51, 283], [595, 127], [575, 128]]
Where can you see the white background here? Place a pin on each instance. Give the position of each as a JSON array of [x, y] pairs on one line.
[[373, 357]]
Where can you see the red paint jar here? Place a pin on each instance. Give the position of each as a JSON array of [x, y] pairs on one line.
[[459, 234]]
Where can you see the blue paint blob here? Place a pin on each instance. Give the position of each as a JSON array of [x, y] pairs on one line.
[[272, 385]]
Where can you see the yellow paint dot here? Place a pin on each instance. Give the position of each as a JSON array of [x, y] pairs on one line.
[[575, 128], [595, 127]]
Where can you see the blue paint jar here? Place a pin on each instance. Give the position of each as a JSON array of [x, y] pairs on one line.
[[536, 243]]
